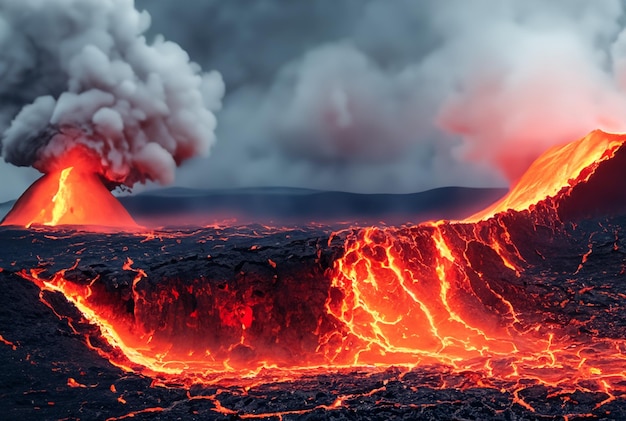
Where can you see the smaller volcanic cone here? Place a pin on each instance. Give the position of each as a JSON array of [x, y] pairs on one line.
[[129, 110], [559, 171], [71, 196]]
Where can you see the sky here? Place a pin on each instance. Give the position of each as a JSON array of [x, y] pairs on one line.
[[364, 96]]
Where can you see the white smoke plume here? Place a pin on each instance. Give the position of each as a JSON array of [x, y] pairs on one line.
[[81, 73], [403, 95]]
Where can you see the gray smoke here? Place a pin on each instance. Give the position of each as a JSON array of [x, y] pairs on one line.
[[81, 73], [399, 96]]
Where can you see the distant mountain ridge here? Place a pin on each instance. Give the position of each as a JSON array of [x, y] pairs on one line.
[[305, 205]]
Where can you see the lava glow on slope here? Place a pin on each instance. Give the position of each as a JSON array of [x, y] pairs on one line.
[[71, 196], [449, 293], [556, 170], [416, 290]]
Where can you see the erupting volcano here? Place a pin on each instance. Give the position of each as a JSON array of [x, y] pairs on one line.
[[526, 295], [71, 196]]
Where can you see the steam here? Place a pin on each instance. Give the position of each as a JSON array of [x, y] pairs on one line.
[[400, 96], [80, 73]]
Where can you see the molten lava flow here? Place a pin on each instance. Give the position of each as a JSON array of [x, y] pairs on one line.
[[557, 169], [72, 196], [132, 349], [60, 201]]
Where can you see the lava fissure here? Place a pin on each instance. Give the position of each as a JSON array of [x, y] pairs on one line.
[[73, 196]]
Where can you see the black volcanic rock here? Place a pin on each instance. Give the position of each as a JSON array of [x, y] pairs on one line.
[[48, 351]]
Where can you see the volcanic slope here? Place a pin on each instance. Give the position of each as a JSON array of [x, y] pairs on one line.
[[70, 196]]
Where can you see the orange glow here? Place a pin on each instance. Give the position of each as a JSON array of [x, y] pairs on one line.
[[72, 196], [73, 383], [6, 342], [61, 204], [558, 168], [404, 313]]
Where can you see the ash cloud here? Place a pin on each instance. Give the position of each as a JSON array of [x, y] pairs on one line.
[[81, 73], [399, 96]]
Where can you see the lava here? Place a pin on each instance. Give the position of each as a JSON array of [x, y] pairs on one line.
[[443, 293], [555, 172], [70, 196]]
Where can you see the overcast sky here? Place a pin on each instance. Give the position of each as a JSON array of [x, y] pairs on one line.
[[392, 96]]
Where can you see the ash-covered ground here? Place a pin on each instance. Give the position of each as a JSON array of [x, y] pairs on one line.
[[49, 372]]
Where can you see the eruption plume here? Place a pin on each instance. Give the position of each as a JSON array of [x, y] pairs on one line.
[[80, 73]]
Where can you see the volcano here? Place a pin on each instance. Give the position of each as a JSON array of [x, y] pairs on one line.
[[71, 196], [516, 312], [579, 168]]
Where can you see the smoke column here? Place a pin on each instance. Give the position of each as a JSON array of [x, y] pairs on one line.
[[80, 73], [403, 95]]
